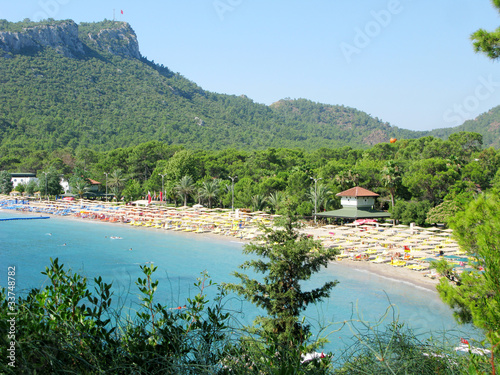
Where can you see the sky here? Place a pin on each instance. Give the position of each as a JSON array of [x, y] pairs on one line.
[[409, 63]]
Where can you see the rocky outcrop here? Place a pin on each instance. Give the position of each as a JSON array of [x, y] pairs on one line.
[[120, 41], [63, 37]]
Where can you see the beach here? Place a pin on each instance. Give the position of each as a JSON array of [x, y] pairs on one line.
[[401, 253]]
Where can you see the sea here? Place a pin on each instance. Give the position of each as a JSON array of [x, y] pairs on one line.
[[116, 251]]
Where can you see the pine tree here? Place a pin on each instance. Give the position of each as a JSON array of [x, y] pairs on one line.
[[285, 258], [488, 42], [475, 295]]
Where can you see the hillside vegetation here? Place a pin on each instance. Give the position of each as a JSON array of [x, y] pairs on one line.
[[96, 93], [87, 86], [487, 124]]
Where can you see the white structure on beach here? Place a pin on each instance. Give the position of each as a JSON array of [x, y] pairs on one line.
[[357, 203], [22, 178], [357, 197]]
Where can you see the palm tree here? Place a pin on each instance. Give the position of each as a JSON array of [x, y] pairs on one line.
[[184, 187], [197, 195], [258, 202], [117, 181], [81, 187], [276, 200], [320, 195], [391, 178], [209, 190]]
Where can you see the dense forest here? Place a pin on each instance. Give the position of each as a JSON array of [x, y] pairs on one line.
[[428, 179], [487, 124], [95, 93]]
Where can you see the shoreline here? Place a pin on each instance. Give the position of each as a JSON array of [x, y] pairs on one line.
[[383, 270], [386, 271]]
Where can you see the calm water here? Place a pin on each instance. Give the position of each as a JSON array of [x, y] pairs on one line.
[[29, 244]]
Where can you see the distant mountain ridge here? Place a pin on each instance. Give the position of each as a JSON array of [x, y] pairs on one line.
[[487, 124], [87, 85]]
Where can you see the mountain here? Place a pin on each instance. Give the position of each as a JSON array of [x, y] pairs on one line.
[[87, 85], [487, 124]]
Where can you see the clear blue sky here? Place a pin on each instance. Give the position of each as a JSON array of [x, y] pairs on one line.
[[407, 62]]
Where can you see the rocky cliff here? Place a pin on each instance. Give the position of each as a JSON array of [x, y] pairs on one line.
[[70, 39], [63, 37], [119, 39]]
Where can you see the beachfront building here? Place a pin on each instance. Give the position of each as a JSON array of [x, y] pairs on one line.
[[357, 203], [22, 178], [95, 186]]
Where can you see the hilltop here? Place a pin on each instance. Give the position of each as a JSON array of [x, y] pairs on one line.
[[87, 85]]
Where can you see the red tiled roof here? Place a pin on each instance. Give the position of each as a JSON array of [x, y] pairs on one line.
[[357, 192], [94, 182]]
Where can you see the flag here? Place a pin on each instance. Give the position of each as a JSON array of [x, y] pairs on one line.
[[121, 11], [161, 196], [149, 197]]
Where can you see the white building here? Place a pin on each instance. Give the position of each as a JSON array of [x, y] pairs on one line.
[[22, 178]]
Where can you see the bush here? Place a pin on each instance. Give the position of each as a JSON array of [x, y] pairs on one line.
[[411, 212], [65, 328]]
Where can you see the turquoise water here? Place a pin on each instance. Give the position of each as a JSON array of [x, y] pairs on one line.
[[86, 247]]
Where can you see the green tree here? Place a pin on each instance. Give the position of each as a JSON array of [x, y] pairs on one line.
[[488, 42], [430, 179], [5, 182], [31, 187], [286, 258], [320, 196], [80, 186], [258, 202], [443, 212], [184, 187], [21, 188], [117, 181], [210, 190], [411, 212], [181, 164], [391, 179], [133, 190], [347, 179], [50, 181], [474, 295], [466, 143], [276, 200]]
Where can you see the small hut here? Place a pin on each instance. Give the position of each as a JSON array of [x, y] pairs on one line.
[[357, 203]]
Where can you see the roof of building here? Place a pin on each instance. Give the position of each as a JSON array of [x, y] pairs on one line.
[[23, 174], [354, 213], [357, 192], [94, 182]]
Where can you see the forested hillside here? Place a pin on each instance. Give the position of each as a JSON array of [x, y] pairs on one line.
[[487, 124], [87, 86], [97, 92]]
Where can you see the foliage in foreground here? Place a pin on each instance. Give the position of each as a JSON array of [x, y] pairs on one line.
[[65, 328], [474, 293], [397, 350]]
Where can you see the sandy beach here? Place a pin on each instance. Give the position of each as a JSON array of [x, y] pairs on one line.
[[395, 273], [401, 253]]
